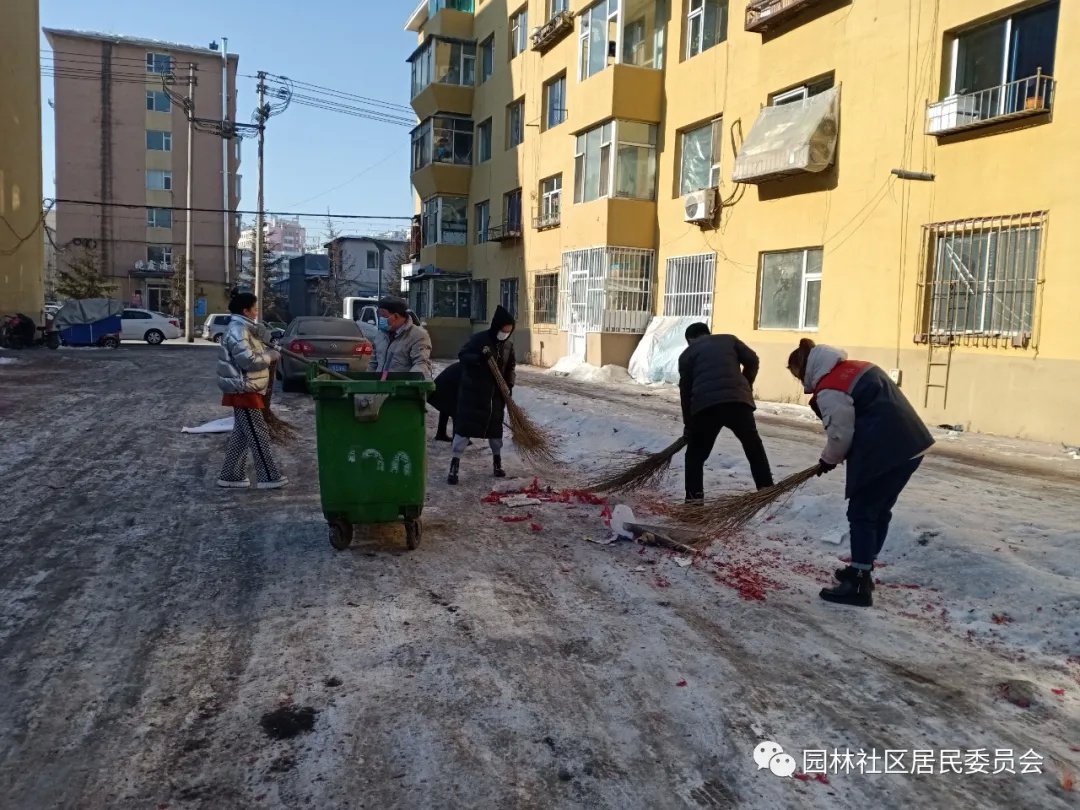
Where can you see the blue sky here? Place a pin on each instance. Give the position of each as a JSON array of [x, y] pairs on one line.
[[356, 46]]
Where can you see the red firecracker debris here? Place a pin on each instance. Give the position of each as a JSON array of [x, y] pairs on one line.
[[1058, 692], [606, 515], [493, 499], [822, 778], [901, 585], [536, 527], [662, 582], [681, 683], [1001, 618], [1074, 747], [802, 777], [750, 583], [516, 518]]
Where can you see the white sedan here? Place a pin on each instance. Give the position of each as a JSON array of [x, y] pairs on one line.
[[153, 327]]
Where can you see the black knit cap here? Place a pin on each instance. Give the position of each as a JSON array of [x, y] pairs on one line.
[[395, 306]]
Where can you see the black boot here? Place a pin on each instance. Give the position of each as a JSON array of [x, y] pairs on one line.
[[498, 470], [854, 590], [848, 572], [442, 437], [695, 497], [455, 465]]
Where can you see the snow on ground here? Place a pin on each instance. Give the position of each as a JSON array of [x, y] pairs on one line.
[[150, 620]]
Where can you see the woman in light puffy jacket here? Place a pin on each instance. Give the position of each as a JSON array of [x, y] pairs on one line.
[[244, 378]]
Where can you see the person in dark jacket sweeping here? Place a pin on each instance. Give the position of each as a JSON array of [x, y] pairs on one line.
[[480, 405], [444, 398], [871, 425], [716, 379]]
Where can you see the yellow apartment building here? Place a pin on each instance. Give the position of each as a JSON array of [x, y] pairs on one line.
[[22, 249], [895, 177]]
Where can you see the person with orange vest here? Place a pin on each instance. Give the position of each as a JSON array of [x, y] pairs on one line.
[[871, 425]]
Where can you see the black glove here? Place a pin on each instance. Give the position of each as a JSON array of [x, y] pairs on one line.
[[686, 432], [824, 467], [486, 351]]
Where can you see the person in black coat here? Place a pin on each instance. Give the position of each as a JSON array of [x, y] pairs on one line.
[[480, 405], [716, 385], [444, 398]]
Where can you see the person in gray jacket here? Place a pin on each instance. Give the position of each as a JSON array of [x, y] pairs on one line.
[[243, 371], [716, 379], [400, 345]]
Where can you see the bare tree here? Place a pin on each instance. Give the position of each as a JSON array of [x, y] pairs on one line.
[[398, 259], [178, 287], [83, 279], [337, 283]]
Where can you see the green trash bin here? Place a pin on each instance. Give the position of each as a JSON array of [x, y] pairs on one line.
[[371, 436]]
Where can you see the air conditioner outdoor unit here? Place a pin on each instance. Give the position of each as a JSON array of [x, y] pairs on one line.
[[700, 205]]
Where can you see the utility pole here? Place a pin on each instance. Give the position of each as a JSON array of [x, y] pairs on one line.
[[226, 144], [261, 117], [189, 241]]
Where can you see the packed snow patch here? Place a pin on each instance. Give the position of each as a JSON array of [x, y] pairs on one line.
[[10, 361], [584, 372]]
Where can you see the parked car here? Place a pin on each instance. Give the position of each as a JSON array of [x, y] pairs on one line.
[[337, 342], [369, 315], [215, 326], [153, 327]]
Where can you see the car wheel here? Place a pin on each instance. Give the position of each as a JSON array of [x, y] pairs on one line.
[[155, 337], [217, 338]]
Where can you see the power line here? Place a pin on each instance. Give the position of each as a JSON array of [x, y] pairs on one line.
[[342, 94], [143, 205]]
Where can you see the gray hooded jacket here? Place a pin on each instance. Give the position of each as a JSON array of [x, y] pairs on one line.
[[244, 359]]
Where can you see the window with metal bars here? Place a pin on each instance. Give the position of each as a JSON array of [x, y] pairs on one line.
[[688, 286], [981, 279], [545, 298], [478, 312]]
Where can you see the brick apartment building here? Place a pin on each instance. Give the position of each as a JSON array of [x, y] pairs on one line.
[[121, 154]]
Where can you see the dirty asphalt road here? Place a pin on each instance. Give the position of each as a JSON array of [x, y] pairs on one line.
[[150, 620]]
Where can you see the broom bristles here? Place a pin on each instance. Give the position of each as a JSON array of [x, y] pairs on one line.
[[729, 514], [649, 473], [281, 432], [534, 444]]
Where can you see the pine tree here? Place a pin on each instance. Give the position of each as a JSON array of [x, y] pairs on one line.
[[83, 279]]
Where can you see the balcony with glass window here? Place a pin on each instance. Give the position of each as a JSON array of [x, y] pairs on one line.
[[442, 156], [443, 77], [766, 15], [447, 18], [621, 52], [444, 232]]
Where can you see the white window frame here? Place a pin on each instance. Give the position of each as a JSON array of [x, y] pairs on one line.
[[478, 300], [483, 141], [695, 10], [716, 129], [556, 6], [803, 92], [166, 253], [510, 288], [152, 59], [373, 254], [508, 225], [515, 108], [614, 7], [689, 285], [551, 201], [619, 142], [152, 96], [166, 179], [434, 217], [554, 116], [166, 140], [581, 162], [806, 278], [152, 217], [483, 220], [519, 32]]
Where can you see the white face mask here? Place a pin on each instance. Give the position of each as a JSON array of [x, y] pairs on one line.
[[502, 335]]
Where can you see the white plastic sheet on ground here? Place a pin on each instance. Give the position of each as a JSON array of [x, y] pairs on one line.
[[656, 359], [224, 425]]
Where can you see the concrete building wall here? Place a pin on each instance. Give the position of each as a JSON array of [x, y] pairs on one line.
[[22, 262], [890, 59], [102, 122]]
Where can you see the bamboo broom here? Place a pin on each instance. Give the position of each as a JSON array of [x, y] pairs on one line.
[[535, 444], [728, 514], [648, 473], [281, 432]]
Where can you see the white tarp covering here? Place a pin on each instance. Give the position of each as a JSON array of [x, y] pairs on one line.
[[92, 310], [656, 359], [790, 139]]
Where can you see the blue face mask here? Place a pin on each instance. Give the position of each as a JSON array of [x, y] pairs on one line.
[[384, 324]]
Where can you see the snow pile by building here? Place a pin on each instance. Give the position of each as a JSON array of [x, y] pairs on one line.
[[583, 372]]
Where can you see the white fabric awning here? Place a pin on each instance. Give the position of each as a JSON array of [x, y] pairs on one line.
[[790, 139]]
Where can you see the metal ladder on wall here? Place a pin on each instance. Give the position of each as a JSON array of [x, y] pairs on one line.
[[944, 368]]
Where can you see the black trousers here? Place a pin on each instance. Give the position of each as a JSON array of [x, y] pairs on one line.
[[870, 512], [705, 427]]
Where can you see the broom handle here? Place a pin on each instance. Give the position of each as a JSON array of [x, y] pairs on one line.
[[324, 370], [499, 381]]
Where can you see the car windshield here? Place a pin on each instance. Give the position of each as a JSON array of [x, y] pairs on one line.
[[327, 327]]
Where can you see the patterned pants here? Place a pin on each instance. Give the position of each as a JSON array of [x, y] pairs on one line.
[[249, 433]]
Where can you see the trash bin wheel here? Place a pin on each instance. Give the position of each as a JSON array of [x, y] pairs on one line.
[[414, 532], [340, 534]]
